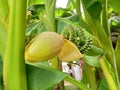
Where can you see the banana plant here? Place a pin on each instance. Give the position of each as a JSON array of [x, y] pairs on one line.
[[51, 40]]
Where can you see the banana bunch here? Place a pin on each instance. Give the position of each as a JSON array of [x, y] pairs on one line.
[[50, 44], [78, 37]]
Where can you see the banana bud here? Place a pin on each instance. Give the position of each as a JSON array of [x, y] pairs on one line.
[[69, 52], [43, 47]]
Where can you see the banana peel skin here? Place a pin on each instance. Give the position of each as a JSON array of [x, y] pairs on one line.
[[50, 44]]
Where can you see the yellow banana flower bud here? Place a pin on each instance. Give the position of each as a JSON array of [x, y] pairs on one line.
[[69, 52], [43, 47]]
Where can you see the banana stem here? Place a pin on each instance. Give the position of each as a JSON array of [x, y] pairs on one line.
[[108, 74], [50, 14], [78, 11], [115, 66], [80, 85], [55, 63], [91, 76], [14, 71]]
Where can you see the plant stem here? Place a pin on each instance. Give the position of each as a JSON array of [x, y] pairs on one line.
[[114, 65], [61, 84], [14, 71], [104, 18], [78, 11], [50, 14], [55, 63], [117, 55], [3, 35], [108, 74], [91, 76], [105, 26], [76, 83]]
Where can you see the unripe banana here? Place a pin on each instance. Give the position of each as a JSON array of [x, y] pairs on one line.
[[43, 47]]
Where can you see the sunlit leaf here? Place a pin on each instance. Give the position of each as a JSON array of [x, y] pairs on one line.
[[92, 60], [60, 12]]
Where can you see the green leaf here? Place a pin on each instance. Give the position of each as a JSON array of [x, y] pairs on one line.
[[31, 2], [94, 51], [89, 3], [117, 54], [115, 4], [104, 18], [36, 9], [92, 60], [84, 77], [31, 28], [93, 7], [62, 22], [103, 85], [40, 78], [95, 10], [60, 12]]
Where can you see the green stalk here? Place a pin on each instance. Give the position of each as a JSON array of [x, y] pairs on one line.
[[80, 85], [104, 18], [14, 71], [3, 35], [78, 11], [50, 14], [107, 30], [91, 76], [115, 65], [108, 74], [117, 54], [55, 63], [61, 84]]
